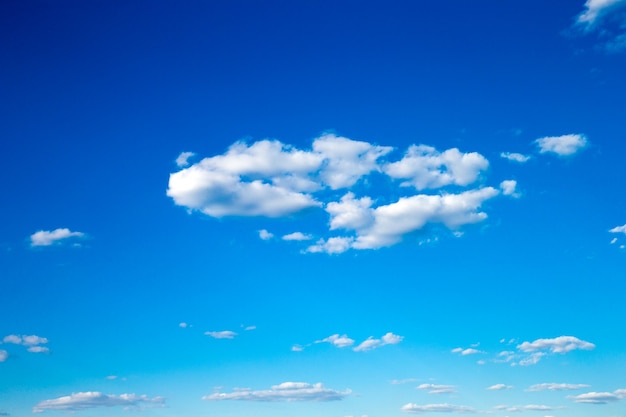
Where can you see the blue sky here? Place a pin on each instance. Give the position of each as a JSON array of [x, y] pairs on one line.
[[339, 209]]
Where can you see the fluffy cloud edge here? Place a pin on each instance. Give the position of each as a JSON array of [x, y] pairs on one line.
[[92, 399], [51, 237], [286, 391]]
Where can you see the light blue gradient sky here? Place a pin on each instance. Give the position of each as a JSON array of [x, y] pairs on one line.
[[133, 268]]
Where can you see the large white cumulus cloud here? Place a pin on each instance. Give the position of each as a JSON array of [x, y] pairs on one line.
[[268, 178]]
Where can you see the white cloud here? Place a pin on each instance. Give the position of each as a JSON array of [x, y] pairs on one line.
[[613, 241], [465, 352], [12, 338], [532, 359], [86, 400], [287, 391], [402, 381], [346, 160], [553, 386], [515, 157], [437, 408], [183, 325], [331, 246], [249, 328], [424, 167], [499, 387], [618, 229], [528, 407], [225, 334], [265, 235], [437, 388], [564, 145], [337, 340], [297, 348], [371, 343], [183, 159], [561, 344], [272, 179], [297, 236], [597, 9], [38, 349], [509, 187], [3, 355], [47, 238], [33, 340], [600, 397]]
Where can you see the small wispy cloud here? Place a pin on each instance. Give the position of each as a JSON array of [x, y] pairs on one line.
[[297, 236], [515, 157], [183, 159], [265, 235], [337, 340], [224, 334], [438, 408], [51, 237], [600, 397], [499, 387], [606, 20], [86, 400], [287, 391], [553, 386], [437, 388]]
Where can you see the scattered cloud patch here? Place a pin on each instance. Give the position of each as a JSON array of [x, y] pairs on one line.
[[499, 387], [465, 352], [297, 348], [595, 10], [564, 145], [3, 355], [600, 397], [31, 342], [509, 187], [553, 386], [249, 328], [183, 325], [183, 159], [38, 349], [402, 381], [424, 167], [298, 236], [271, 179], [561, 344], [287, 391], [371, 343], [528, 407], [92, 399], [437, 408], [515, 157], [618, 229], [224, 334], [337, 340], [51, 237], [265, 235], [437, 388]]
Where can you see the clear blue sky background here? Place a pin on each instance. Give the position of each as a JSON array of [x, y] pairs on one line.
[[139, 293]]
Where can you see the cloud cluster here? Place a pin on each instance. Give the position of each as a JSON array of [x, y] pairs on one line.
[[515, 157], [31, 342], [561, 344], [270, 179], [51, 237], [527, 407], [91, 399], [287, 391]]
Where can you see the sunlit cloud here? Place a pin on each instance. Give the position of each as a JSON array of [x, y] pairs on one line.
[[51, 237], [527, 407], [564, 145], [92, 399], [271, 179], [337, 340], [371, 343], [287, 391]]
